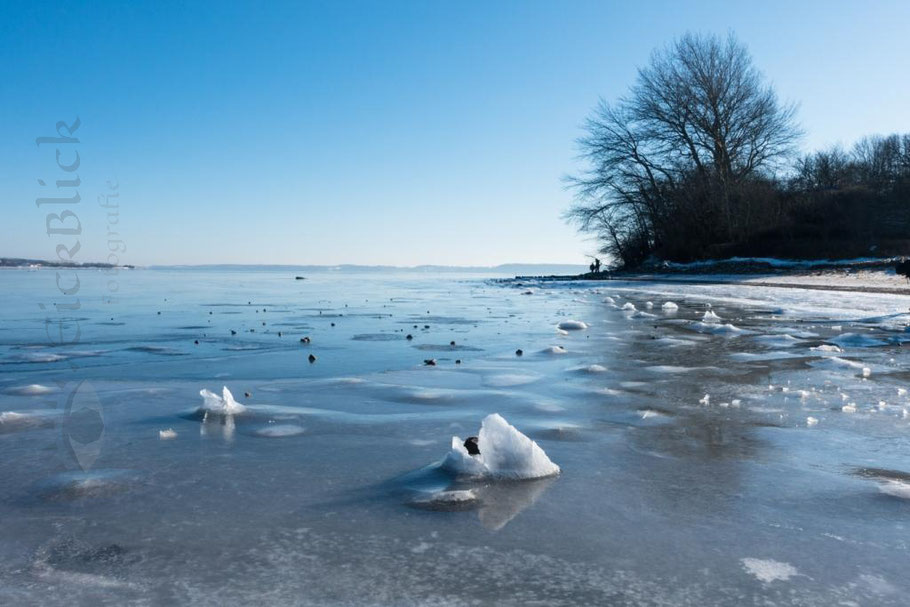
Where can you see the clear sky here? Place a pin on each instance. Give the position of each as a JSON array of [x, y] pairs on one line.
[[377, 132]]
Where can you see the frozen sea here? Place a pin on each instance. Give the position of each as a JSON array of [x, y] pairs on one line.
[[749, 446]]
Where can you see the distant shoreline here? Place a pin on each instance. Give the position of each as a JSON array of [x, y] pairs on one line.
[[18, 263]]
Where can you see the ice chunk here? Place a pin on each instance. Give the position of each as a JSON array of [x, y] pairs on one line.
[[649, 304], [168, 434], [895, 488], [811, 421], [505, 453], [629, 306], [572, 325], [223, 405], [710, 316], [554, 350], [669, 306], [826, 348]]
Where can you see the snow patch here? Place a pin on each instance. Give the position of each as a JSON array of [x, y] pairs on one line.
[[768, 571]]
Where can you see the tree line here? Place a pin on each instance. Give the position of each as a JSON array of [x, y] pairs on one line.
[[699, 160]]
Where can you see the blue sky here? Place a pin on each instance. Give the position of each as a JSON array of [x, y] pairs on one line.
[[376, 132]]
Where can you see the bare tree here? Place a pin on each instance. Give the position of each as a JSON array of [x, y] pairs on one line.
[[698, 127]]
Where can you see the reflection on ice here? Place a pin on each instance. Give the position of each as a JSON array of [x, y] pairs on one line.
[[79, 485]]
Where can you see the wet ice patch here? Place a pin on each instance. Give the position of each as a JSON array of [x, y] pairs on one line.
[[777, 341], [671, 369], [505, 453], [506, 380], [855, 340], [85, 485], [280, 431], [448, 501], [17, 421], [768, 571], [31, 390], [554, 350], [836, 363], [591, 369]]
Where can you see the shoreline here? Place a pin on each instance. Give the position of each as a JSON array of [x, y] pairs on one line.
[[860, 281]]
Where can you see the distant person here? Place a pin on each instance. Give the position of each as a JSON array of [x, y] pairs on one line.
[[903, 268], [591, 268], [596, 266]]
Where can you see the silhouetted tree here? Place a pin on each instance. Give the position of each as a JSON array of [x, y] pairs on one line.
[[686, 159]]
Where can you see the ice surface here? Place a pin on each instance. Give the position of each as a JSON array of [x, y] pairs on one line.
[[323, 519], [505, 453]]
